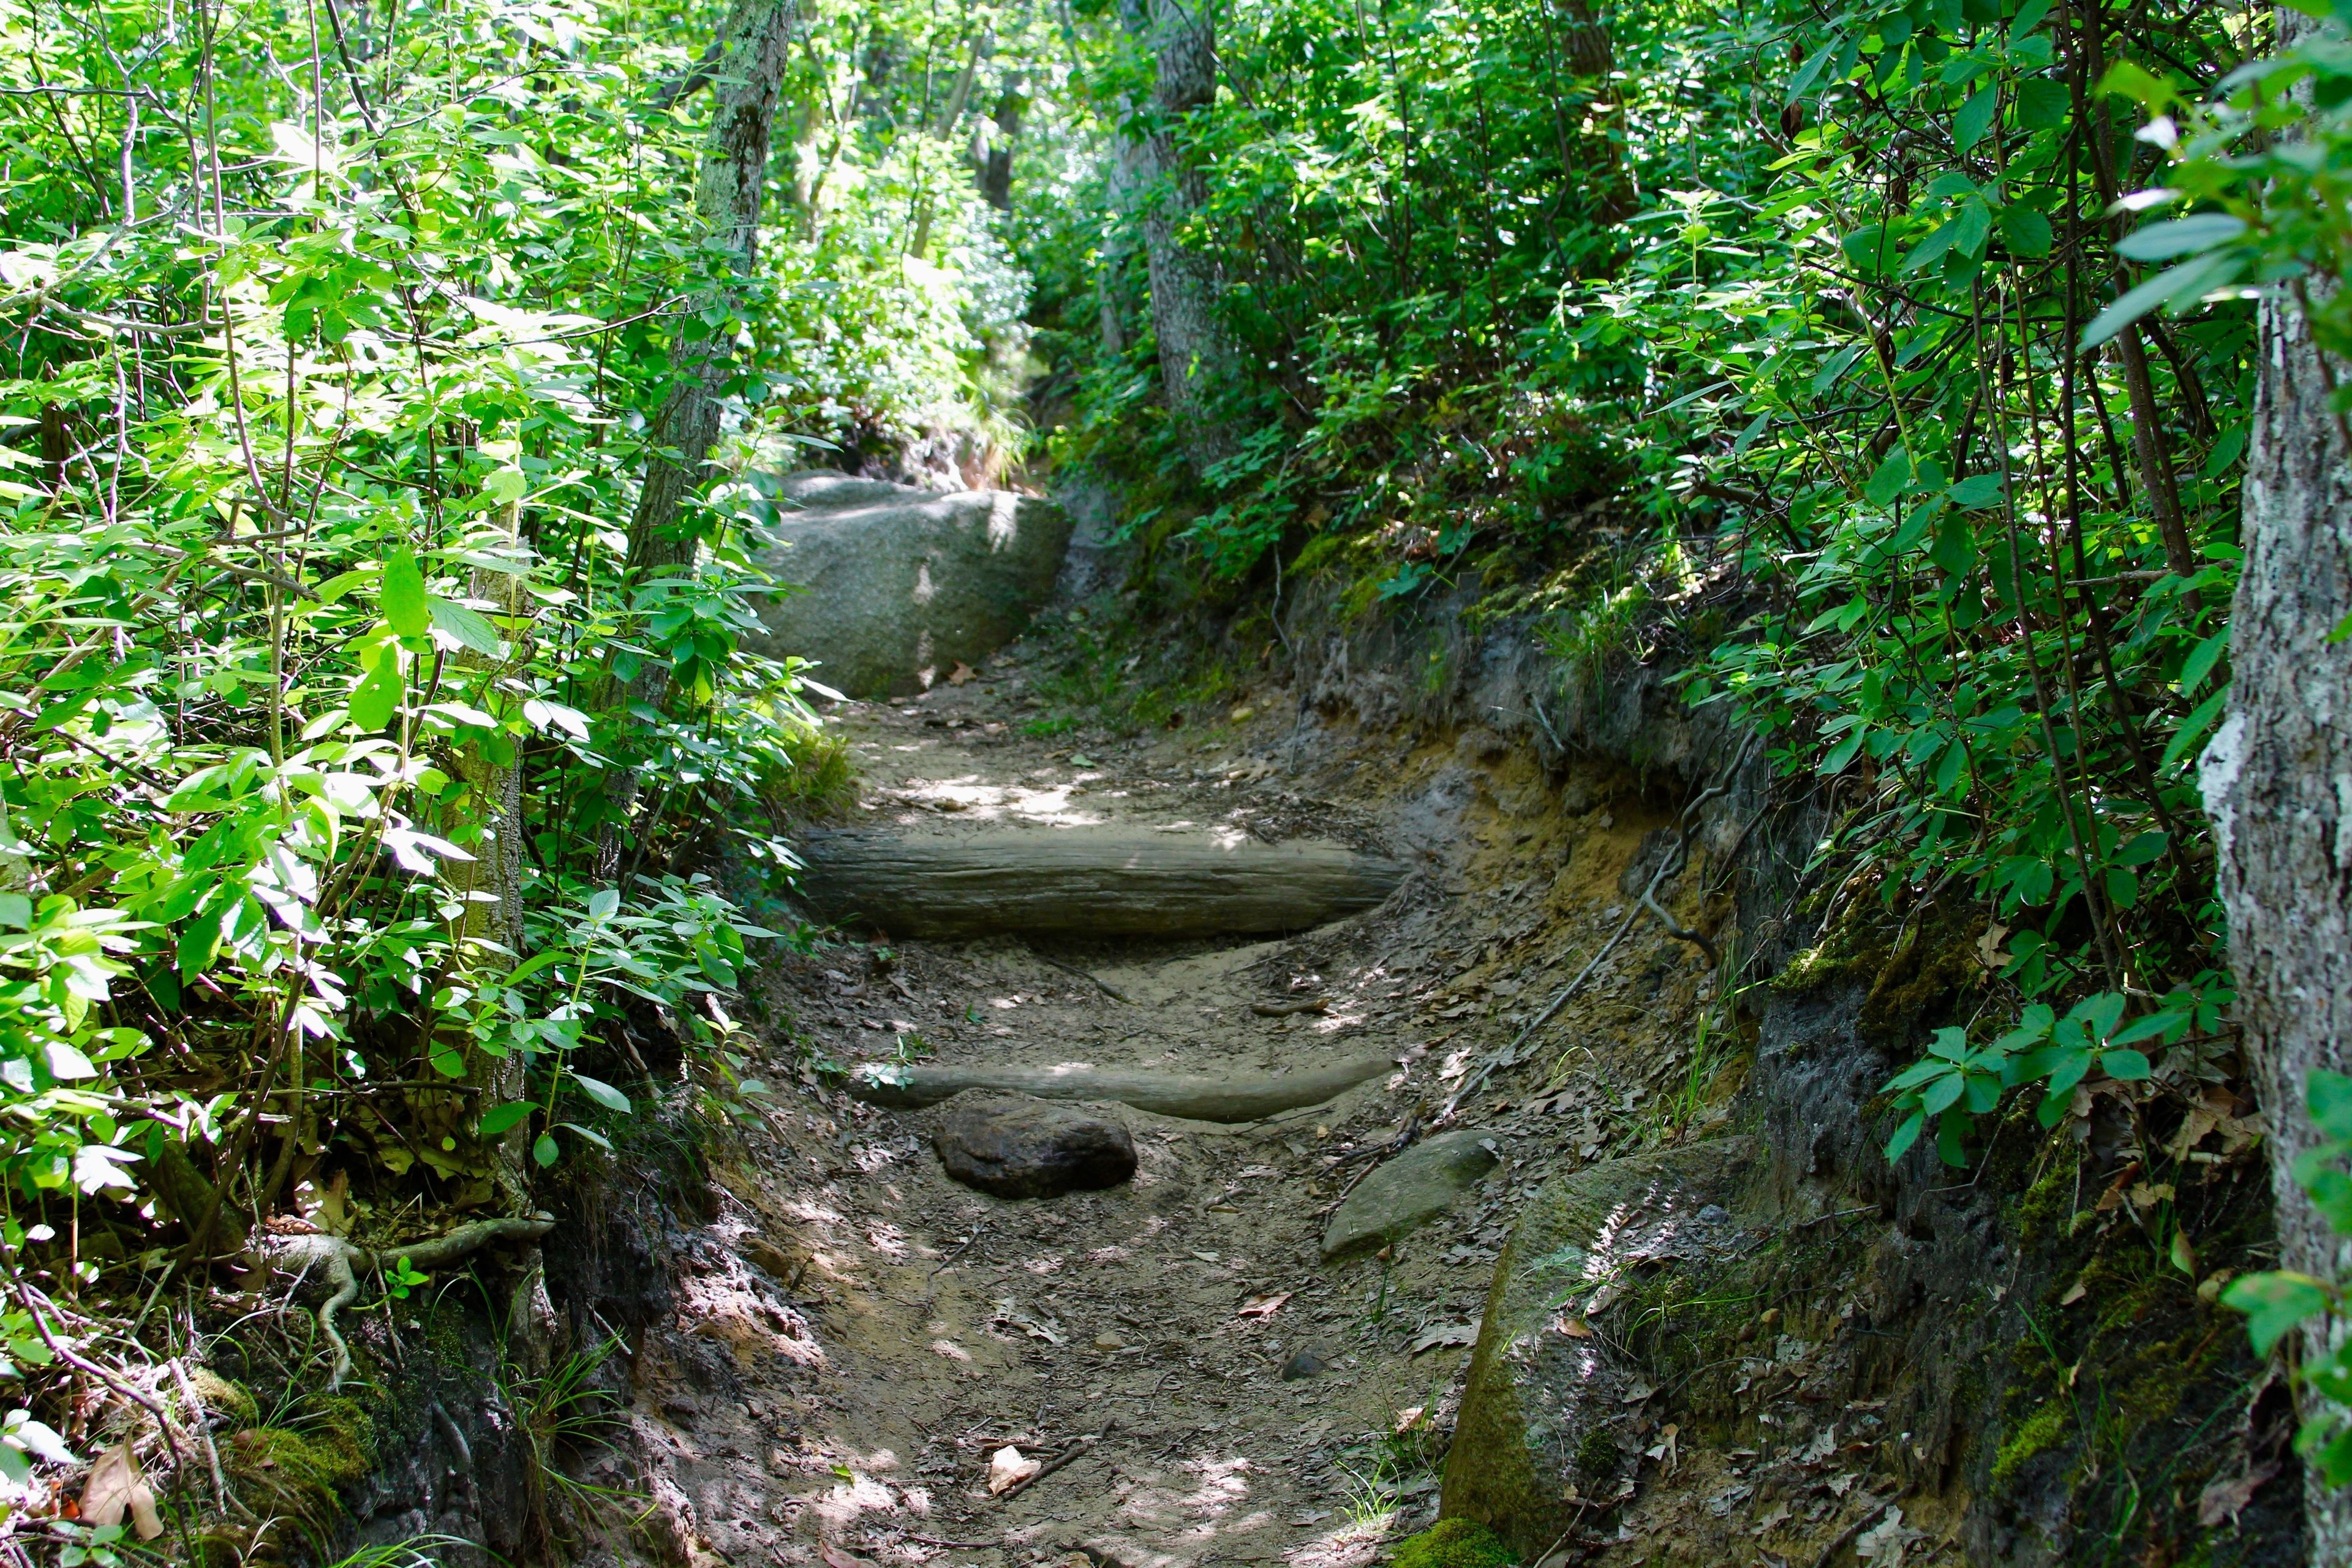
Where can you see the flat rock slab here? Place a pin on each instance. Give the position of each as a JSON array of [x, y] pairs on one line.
[[1016, 1147], [1552, 1406], [1408, 1192], [1088, 881], [1240, 1096], [897, 585]]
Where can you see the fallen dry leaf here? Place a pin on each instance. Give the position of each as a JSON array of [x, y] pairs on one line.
[[963, 674], [1008, 1467], [1446, 1335], [1574, 1327], [115, 1488], [1266, 1306], [1409, 1417], [835, 1557], [2074, 1293], [2227, 1499]]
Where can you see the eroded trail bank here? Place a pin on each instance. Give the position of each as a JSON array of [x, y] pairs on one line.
[[1717, 1327]]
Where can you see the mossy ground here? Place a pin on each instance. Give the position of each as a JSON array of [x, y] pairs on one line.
[[1455, 1543]]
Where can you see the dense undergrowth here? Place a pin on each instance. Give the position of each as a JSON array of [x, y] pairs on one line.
[[378, 808]]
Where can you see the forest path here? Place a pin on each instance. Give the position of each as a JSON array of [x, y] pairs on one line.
[[860, 1336]]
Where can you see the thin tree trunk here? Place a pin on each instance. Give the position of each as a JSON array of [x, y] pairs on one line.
[[2278, 783], [1196, 353], [745, 84], [489, 825]]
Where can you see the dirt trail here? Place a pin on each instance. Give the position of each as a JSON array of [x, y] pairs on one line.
[[856, 1335]]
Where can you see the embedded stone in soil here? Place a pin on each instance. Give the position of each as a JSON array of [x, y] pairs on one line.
[[1019, 1148], [1408, 1192]]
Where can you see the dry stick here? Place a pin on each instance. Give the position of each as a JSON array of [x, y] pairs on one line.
[[1082, 1446]]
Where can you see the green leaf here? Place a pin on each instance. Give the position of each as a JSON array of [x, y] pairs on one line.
[[545, 1150], [603, 1093], [1943, 1094], [2193, 727], [590, 1133], [465, 628], [2025, 231], [2328, 1097], [1975, 116], [377, 696], [504, 1117], [1905, 1136], [1895, 475], [1977, 491], [2190, 280], [2274, 1304], [2042, 104], [2180, 236], [2202, 660], [402, 595], [1842, 753], [2126, 1067]]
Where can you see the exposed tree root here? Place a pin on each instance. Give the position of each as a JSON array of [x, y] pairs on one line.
[[1238, 1097], [344, 1262]]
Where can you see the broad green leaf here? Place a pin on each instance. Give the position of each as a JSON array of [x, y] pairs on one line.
[[545, 1150], [503, 1119], [465, 628], [2180, 236], [2190, 280], [1969, 125], [2025, 231], [1905, 1136], [603, 1093], [400, 595], [377, 696], [2275, 1305], [1894, 475]]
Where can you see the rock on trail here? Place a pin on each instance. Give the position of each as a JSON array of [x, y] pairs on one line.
[[1408, 1192], [897, 585], [1019, 1148]]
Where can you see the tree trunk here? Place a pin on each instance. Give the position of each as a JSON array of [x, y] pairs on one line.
[[489, 825], [1098, 882], [2278, 783], [1196, 353], [996, 160], [745, 83]]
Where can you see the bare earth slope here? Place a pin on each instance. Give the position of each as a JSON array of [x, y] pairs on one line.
[[857, 1337]]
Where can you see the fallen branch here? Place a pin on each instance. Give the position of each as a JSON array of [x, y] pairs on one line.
[[1248, 1098], [1105, 986], [1082, 1446], [344, 1262]]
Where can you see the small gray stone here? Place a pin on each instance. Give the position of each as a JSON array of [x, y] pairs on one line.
[[897, 582], [1408, 1192], [1305, 1364], [1021, 1148]]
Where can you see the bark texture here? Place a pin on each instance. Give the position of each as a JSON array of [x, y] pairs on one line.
[[2277, 779], [745, 82], [1083, 882], [1154, 172]]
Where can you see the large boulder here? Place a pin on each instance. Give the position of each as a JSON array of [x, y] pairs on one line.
[[896, 584], [1555, 1413]]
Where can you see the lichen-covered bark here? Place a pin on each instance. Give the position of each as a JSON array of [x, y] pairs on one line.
[[1153, 170], [2278, 782]]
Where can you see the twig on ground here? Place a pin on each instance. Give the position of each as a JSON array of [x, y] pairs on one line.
[[1084, 1445]]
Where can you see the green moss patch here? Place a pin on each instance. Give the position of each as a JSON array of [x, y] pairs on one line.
[[1455, 1543], [302, 1470]]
